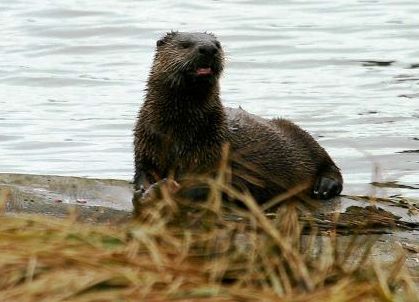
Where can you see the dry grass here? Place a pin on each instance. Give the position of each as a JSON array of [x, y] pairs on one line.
[[182, 251]]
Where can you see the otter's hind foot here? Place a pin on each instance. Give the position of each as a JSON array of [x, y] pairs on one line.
[[326, 188]]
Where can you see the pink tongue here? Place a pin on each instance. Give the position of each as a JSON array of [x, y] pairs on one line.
[[204, 71]]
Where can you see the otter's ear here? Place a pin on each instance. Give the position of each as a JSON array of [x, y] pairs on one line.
[[166, 38], [160, 42]]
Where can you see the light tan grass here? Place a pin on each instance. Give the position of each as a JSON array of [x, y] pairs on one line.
[[183, 251]]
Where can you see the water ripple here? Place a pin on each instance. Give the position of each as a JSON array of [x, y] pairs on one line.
[[72, 77]]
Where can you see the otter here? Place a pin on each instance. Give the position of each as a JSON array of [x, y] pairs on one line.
[[182, 127]]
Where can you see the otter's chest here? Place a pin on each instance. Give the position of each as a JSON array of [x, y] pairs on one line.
[[186, 152]]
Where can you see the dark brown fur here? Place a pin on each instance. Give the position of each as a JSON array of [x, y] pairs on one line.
[[182, 127], [281, 156]]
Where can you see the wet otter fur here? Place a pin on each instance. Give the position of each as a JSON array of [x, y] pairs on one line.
[[182, 128]]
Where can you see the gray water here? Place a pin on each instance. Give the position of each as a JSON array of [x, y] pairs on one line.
[[72, 75]]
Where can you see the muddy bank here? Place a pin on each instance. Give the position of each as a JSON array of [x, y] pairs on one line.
[[394, 220], [55, 194], [91, 199]]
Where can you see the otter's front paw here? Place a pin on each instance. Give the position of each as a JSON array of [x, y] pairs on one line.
[[326, 188], [153, 192], [137, 199]]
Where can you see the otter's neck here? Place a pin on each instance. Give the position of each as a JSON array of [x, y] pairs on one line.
[[191, 106]]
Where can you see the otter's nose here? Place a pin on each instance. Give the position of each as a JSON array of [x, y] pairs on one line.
[[207, 49]]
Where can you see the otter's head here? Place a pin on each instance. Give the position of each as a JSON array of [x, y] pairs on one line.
[[188, 59]]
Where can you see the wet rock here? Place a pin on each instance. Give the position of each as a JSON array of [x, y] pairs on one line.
[[93, 199]]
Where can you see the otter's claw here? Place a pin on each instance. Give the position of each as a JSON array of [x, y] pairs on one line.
[[153, 192], [326, 188]]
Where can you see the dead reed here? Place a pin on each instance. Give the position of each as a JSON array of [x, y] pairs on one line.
[[185, 251]]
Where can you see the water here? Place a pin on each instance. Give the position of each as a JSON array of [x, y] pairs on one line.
[[72, 75]]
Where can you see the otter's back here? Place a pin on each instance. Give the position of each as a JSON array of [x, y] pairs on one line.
[[276, 153]]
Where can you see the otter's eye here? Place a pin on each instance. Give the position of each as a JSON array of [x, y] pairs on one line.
[[185, 44], [217, 44]]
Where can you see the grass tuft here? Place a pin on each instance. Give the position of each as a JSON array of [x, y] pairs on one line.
[[184, 251]]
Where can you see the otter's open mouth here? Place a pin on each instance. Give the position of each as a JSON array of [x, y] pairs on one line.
[[204, 71]]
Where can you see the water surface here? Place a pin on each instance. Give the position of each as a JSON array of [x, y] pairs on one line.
[[72, 76]]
